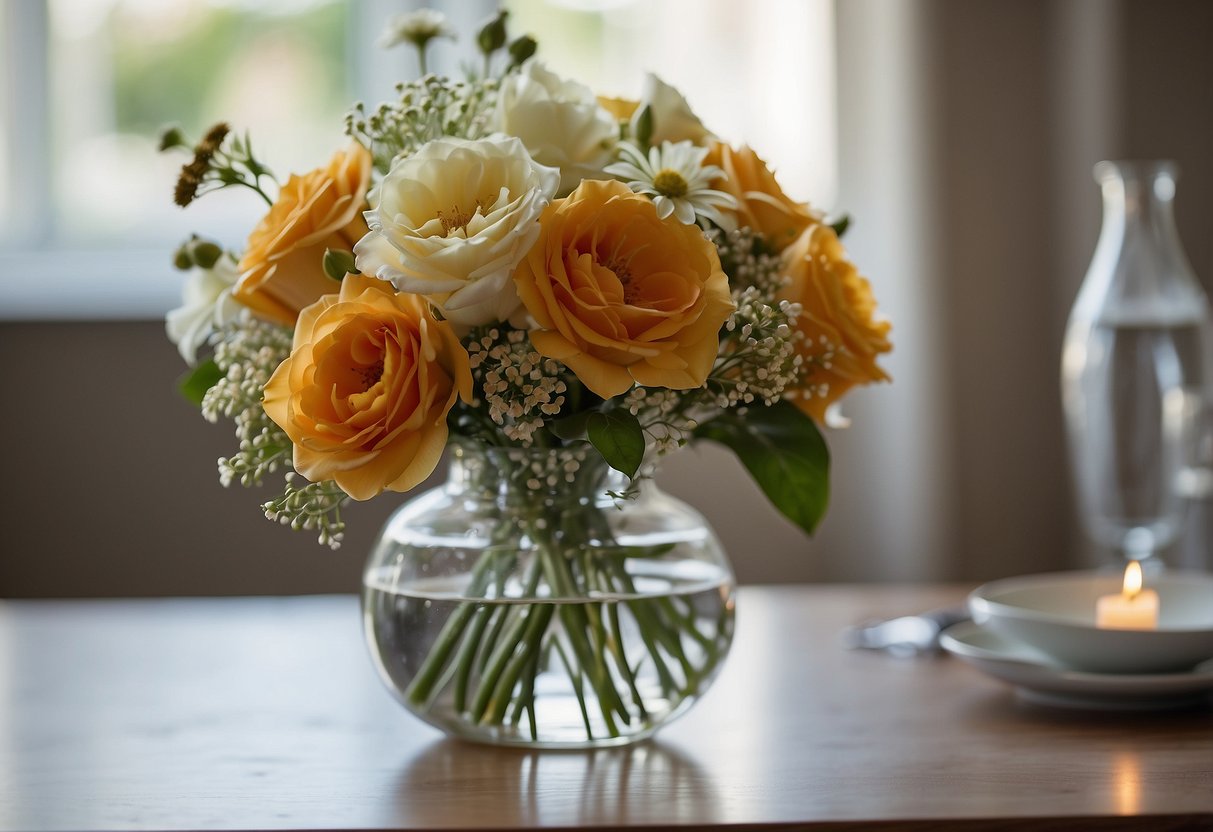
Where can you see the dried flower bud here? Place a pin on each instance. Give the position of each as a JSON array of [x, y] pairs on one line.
[[205, 253], [182, 259], [212, 140], [492, 35], [521, 49], [170, 137]]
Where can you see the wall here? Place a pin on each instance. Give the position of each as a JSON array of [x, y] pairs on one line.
[[968, 132]]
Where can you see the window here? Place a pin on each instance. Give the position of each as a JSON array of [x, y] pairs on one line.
[[86, 222]]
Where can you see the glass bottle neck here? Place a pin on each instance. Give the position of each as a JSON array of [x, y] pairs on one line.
[[1138, 197], [1139, 274]]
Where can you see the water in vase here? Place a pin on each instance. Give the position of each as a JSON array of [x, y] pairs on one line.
[[605, 668]]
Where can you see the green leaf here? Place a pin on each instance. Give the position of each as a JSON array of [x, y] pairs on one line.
[[572, 427], [643, 132], [785, 454], [337, 263], [619, 438], [841, 225], [194, 384]]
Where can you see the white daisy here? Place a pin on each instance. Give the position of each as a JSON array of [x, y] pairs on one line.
[[677, 180]]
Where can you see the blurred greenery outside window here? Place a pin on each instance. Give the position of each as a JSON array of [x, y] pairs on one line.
[[87, 224]]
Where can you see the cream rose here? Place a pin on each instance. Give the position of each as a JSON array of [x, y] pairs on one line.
[[673, 119], [452, 221], [560, 122]]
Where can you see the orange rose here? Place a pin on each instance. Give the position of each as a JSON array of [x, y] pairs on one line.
[[842, 333], [366, 389], [620, 296], [281, 271], [762, 204]]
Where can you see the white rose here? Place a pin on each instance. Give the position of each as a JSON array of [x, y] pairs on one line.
[[560, 122], [206, 305], [452, 221], [673, 120]]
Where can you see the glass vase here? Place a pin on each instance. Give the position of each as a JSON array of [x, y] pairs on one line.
[[532, 600], [1133, 365]]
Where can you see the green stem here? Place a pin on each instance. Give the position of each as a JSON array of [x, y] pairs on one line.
[[526, 696], [473, 642], [621, 660], [576, 624], [512, 634], [464, 659], [486, 648], [538, 617], [578, 688], [423, 685]]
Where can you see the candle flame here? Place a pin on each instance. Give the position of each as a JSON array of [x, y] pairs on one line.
[[1132, 579]]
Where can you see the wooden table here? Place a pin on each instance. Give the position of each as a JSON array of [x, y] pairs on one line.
[[265, 714]]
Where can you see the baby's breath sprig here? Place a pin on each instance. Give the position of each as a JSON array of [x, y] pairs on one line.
[[664, 415], [520, 389], [248, 352], [748, 259], [310, 506], [426, 109], [759, 359], [215, 166]]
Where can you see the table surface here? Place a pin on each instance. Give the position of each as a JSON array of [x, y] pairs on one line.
[[262, 713]]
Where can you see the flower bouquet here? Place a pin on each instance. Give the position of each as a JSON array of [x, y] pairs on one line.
[[555, 289]]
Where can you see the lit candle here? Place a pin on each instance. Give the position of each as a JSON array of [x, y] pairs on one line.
[[1133, 609]]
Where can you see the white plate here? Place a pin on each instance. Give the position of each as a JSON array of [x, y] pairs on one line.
[[1056, 615], [1040, 679]]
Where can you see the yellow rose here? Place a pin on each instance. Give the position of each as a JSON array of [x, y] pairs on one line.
[[842, 333], [761, 203], [365, 392], [281, 271], [620, 296], [621, 108]]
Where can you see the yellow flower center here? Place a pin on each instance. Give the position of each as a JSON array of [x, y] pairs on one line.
[[457, 219], [624, 273], [670, 183], [370, 374]]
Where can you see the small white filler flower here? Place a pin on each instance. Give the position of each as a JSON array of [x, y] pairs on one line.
[[417, 27], [206, 305], [677, 180]]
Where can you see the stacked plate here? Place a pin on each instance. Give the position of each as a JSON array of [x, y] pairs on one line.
[[1039, 633]]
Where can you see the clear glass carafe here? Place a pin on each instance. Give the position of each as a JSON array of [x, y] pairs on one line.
[[531, 601], [1133, 365]]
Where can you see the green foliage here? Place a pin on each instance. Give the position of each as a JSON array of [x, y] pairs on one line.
[[618, 436], [785, 454], [158, 72], [841, 225], [337, 263], [644, 127], [194, 384]]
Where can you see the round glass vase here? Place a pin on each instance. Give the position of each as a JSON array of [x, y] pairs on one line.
[[532, 600]]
